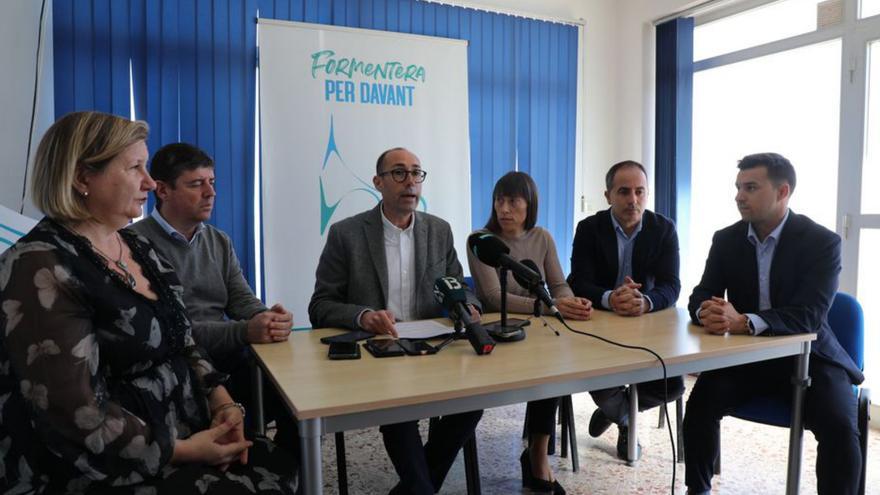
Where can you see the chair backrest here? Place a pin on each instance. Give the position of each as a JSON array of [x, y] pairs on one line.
[[847, 321]]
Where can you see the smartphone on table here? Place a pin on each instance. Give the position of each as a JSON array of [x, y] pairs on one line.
[[344, 350], [417, 347], [384, 348]]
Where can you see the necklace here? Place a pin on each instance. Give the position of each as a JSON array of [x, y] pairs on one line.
[[122, 265]]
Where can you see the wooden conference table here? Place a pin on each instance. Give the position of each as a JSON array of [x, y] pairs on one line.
[[330, 396]]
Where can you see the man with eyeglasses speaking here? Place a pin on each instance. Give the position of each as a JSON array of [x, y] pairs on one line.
[[379, 267]]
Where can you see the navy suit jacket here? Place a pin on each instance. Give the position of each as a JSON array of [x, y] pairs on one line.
[[803, 281], [655, 260]]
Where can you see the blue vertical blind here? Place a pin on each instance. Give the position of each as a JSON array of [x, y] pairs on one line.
[[193, 64], [190, 65], [546, 112], [674, 112]]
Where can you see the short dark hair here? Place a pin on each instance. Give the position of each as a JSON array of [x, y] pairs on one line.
[[779, 169], [381, 160], [609, 177], [174, 159], [515, 185]]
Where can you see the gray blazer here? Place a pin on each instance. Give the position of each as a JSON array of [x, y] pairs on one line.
[[352, 274]]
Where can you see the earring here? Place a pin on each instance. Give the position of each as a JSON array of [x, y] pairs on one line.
[[85, 194]]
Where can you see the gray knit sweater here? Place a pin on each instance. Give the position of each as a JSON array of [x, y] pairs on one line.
[[218, 300]]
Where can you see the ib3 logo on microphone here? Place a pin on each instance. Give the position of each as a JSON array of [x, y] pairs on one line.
[[451, 283]]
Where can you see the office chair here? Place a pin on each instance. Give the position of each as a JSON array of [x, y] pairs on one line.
[[847, 321]]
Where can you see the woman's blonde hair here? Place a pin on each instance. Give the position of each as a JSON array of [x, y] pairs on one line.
[[85, 141]]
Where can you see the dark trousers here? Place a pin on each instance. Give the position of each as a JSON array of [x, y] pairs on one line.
[[830, 413], [422, 469], [541, 416], [614, 402]]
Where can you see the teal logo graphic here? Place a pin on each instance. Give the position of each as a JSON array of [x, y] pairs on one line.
[[332, 176], [5, 236], [328, 209]]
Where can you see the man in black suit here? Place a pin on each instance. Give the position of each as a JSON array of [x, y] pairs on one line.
[[779, 270], [625, 259]]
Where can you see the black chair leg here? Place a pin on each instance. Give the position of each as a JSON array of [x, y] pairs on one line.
[[679, 429], [341, 469], [661, 417], [864, 420], [472, 466], [564, 422], [256, 406], [718, 464], [567, 408]]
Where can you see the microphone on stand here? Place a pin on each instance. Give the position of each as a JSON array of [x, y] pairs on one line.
[[494, 252], [538, 288], [452, 296]]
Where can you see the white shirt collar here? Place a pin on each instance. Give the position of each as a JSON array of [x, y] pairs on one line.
[[774, 234], [171, 231], [394, 228], [619, 228]]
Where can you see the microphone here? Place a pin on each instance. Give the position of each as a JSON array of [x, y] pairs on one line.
[[494, 252], [452, 296], [538, 289]]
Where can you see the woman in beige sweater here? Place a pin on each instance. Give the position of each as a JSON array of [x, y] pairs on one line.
[[514, 212]]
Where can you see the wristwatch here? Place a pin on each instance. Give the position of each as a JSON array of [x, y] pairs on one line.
[[751, 326]]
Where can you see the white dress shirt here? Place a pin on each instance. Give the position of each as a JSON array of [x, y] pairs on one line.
[[764, 252], [401, 262], [625, 245]]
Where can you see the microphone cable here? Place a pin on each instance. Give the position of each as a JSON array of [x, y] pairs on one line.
[[665, 391], [27, 160]]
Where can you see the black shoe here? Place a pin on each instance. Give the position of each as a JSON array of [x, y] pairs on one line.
[[537, 484], [598, 423], [622, 441]]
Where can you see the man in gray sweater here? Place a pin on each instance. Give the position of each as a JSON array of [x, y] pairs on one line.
[[225, 314]]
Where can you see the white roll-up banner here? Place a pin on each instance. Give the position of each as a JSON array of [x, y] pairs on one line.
[[13, 226], [331, 101]]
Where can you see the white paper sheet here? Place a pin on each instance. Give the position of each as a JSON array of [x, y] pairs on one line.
[[421, 329]]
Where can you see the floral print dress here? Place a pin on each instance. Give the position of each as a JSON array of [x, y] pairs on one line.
[[97, 381]]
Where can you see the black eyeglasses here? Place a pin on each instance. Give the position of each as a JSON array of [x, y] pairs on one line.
[[400, 175]]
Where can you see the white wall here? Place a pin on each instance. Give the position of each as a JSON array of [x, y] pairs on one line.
[[19, 25]]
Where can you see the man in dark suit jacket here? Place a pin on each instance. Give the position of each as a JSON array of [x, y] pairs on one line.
[[379, 267], [625, 259], [779, 270]]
